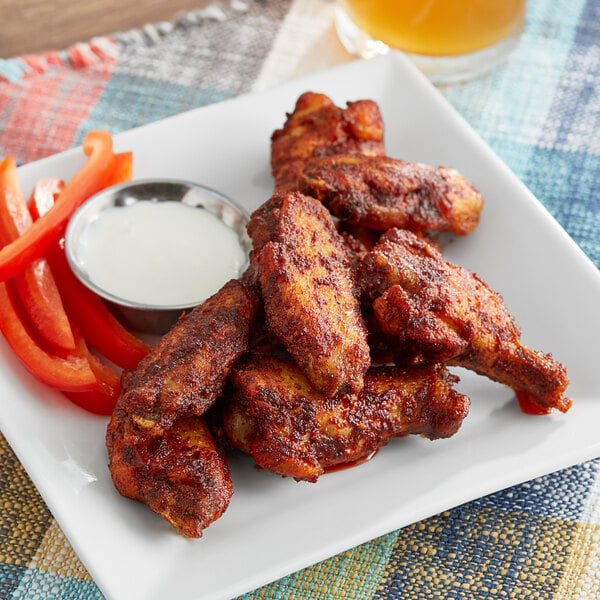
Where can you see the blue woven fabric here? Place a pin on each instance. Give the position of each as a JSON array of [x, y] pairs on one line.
[[540, 113]]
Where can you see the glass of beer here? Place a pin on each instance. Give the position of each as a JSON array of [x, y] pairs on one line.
[[449, 40]]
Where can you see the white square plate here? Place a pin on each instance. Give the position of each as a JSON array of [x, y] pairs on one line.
[[273, 525]]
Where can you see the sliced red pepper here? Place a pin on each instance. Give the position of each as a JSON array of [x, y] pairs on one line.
[[47, 190], [97, 324], [102, 399], [35, 284], [96, 401], [122, 169], [44, 195], [528, 406], [91, 178], [71, 373]]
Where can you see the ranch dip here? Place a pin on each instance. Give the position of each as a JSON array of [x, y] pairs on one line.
[[160, 253]]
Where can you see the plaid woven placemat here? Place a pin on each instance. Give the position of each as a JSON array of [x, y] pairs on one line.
[[540, 113]]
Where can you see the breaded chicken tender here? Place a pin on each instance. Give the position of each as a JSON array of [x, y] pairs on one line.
[[381, 192], [437, 311], [309, 293], [289, 428], [318, 128]]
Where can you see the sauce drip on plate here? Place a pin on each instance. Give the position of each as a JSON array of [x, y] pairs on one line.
[[352, 463]]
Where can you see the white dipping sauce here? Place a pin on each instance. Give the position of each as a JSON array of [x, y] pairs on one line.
[[160, 253]]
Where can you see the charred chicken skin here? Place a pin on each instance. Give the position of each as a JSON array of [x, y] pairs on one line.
[[185, 372], [289, 428], [310, 297], [318, 128], [160, 450], [182, 475], [381, 192], [437, 311]]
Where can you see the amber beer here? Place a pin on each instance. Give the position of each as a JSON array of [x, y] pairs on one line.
[[437, 27]]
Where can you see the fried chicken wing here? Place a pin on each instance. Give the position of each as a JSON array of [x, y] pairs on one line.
[[359, 238], [182, 475], [186, 370], [265, 225], [309, 292], [160, 449], [316, 128], [437, 311], [382, 192], [277, 417]]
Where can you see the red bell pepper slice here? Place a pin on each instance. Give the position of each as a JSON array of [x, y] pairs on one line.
[[102, 399], [35, 284], [122, 169], [528, 406], [44, 195], [97, 324], [71, 373], [91, 178], [47, 190], [96, 401]]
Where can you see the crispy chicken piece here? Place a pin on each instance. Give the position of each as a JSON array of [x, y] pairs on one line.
[[265, 226], [438, 311], [185, 372], [358, 241], [309, 292], [383, 346], [317, 128], [359, 238], [289, 428], [160, 450], [382, 192], [182, 475]]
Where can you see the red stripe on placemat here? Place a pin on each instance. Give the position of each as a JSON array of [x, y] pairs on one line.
[[56, 93]]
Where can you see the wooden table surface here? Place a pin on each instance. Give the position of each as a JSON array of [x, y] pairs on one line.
[[30, 26]]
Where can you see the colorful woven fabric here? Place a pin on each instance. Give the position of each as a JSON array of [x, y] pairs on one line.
[[540, 113]]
